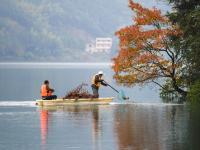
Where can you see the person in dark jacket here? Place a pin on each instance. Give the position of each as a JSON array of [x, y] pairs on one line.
[[97, 81]]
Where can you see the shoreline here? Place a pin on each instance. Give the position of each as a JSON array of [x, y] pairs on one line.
[[53, 64]]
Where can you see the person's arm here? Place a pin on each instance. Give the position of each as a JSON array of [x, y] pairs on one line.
[[97, 79], [103, 83], [49, 89]]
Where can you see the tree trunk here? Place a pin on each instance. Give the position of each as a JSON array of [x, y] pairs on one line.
[[178, 89]]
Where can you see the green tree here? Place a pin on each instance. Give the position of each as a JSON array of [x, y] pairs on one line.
[[187, 15], [194, 92]]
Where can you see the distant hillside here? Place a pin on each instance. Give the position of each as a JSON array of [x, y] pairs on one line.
[[57, 30]]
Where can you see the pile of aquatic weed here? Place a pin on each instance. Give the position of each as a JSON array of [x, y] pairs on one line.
[[78, 92]]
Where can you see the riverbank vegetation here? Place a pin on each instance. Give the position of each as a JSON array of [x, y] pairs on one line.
[[187, 16], [162, 49]]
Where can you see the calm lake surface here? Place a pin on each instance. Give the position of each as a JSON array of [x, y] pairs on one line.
[[22, 81], [147, 124]]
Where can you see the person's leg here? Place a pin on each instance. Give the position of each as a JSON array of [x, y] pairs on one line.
[[49, 97], [95, 91], [44, 98], [54, 97]]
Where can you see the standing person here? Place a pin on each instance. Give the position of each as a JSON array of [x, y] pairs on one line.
[[46, 91], [97, 81]]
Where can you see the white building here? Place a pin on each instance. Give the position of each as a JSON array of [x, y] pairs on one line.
[[100, 45]]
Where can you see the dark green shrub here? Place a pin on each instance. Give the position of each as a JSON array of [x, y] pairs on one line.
[[194, 93], [169, 95]]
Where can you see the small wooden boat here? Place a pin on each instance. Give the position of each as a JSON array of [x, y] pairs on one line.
[[60, 102]]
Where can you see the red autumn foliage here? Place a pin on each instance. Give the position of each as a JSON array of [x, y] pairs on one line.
[[145, 49]]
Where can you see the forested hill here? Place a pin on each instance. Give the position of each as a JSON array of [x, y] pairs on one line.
[[56, 30]]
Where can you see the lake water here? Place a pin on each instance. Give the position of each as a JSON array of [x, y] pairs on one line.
[[22, 81], [146, 124]]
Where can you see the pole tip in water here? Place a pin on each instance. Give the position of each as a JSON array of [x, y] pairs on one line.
[[125, 98]]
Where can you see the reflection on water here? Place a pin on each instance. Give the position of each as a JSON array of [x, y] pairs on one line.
[[100, 127], [116, 127], [44, 125], [75, 112], [150, 127], [193, 137]]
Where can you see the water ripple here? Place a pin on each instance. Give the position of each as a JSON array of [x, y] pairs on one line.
[[17, 103]]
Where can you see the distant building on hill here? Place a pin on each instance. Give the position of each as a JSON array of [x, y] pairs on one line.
[[99, 45]]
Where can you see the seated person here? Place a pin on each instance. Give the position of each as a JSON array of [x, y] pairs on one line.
[[46, 91]]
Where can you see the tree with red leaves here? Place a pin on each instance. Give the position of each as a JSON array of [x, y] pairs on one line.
[[147, 51]]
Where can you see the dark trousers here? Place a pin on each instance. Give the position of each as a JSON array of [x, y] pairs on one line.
[[95, 91], [49, 97]]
